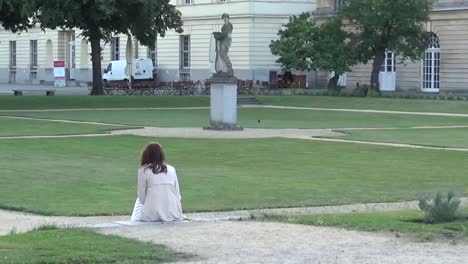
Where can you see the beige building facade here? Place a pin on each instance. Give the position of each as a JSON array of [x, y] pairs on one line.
[[444, 67], [28, 57]]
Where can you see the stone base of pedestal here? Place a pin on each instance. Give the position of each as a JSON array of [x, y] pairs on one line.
[[223, 104]]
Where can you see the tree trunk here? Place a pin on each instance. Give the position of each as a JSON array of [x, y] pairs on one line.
[[376, 67], [333, 83], [97, 69]]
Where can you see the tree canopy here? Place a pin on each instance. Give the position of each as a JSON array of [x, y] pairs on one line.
[[380, 25], [305, 45], [101, 19], [17, 15]]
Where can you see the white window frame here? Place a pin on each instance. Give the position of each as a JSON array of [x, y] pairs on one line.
[[185, 43], [12, 62], [338, 4], [153, 53], [136, 49], [389, 63], [115, 49], [430, 66], [33, 55], [184, 76]]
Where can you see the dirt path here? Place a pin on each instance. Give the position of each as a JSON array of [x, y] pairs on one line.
[[23, 222], [263, 242], [213, 240]]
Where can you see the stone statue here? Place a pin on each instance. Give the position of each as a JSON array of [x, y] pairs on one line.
[[223, 65]]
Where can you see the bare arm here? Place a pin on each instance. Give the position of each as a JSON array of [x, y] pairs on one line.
[[141, 186]]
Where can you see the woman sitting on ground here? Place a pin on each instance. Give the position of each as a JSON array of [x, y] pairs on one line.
[[159, 196]]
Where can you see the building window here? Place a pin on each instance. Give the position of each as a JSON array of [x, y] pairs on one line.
[[338, 4], [431, 65], [188, 2], [389, 64], [12, 55], [135, 52], [12, 77], [185, 52], [152, 53], [33, 59], [115, 49], [33, 55], [184, 76]]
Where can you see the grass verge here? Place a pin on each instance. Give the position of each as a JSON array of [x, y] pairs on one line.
[[399, 222], [74, 102], [392, 104], [24, 127], [440, 137], [252, 118], [50, 245]]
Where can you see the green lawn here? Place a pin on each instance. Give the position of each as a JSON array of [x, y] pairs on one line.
[[450, 137], [79, 246], [407, 222], [411, 105], [73, 102], [92, 176], [269, 118], [23, 127], [63, 102]]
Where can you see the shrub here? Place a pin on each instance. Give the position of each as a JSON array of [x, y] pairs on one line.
[[440, 209]]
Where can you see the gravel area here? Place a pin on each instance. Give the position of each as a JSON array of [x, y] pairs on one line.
[[263, 242], [195, 132], [212, 239]]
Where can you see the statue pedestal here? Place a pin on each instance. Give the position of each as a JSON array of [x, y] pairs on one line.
[[223, 104]]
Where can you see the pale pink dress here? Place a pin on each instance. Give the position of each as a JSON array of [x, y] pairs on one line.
[[159, 196]]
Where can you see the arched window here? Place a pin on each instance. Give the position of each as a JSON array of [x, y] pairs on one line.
[[84, 55], [431, 66], [49, 54]]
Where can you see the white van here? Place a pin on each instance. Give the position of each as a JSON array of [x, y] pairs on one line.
[[142, 70]]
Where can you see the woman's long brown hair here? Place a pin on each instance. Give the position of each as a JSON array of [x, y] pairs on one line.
[[153, 158]]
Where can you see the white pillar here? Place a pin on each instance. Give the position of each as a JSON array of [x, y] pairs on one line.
[[223, 104]]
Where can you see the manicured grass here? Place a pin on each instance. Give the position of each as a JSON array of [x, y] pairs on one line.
[[23, 127], [408, 222], [450, 137], [91, 176], [71, 102], [269, 118], [78, 246], [411, 105], [63, 102]]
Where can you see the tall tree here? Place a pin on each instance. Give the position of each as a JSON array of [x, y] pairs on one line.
[[17, 15], [381, 25], [305, 45], [101, 19]]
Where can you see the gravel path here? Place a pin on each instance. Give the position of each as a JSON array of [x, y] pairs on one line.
[[194, 132], [213, 240], [23, 222], [263, 242]]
